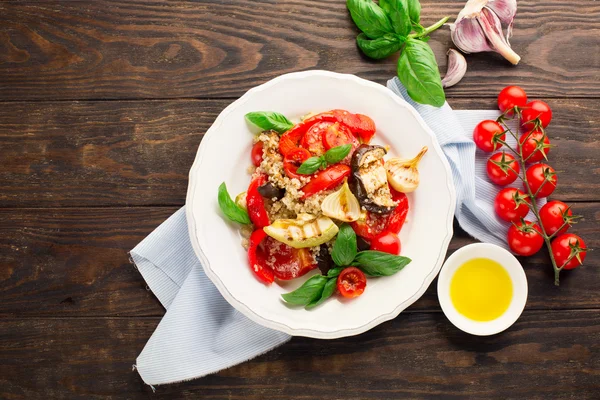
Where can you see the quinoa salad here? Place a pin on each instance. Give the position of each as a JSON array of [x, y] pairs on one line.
[[321, 197]]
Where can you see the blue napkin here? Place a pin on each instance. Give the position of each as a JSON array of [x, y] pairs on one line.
[[201, 333]]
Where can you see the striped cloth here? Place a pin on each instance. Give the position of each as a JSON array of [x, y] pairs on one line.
[[201, 333]]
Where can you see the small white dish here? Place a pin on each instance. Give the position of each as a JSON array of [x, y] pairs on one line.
[[517, 276]]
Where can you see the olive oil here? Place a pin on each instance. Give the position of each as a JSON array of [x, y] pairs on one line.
[[481, 289]]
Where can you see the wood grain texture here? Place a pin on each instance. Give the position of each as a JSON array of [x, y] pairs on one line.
[[58, 154], [152, 49], [74, 262], [421, 356]]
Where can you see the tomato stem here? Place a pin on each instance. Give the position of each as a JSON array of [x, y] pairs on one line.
[[533, 204]]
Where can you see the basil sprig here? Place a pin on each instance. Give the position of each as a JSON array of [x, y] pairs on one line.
[[331, 156], [231, 210], [268, 120], [394, 25], [344, 253]]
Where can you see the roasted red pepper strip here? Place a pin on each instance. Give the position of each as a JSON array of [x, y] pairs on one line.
[[326, 179], [256, 204], [256, 258], [398, 215]]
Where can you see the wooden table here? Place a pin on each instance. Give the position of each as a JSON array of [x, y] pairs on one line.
[[102, 107]]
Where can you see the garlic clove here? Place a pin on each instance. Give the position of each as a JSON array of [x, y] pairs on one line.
[[457, 67], [341, 205], [506, 11], [492, 28], [403, 174], [468, 36]]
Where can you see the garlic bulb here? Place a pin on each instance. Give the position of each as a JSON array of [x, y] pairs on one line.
[[341, 205], [403, 174], [457, 67], [478, 27]]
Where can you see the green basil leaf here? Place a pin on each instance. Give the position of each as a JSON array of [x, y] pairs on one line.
[[338, 153], [397, 11], [378, 263], [418, 72], [381, 47], [414, 11], [334, 272], [268, 120], [310, 291], [344, 247], [231, 210], [310, 166], [328, 291], [369, 18]]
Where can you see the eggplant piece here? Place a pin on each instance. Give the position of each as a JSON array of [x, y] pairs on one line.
[[369, 179], [362, 244], [271, 191], [324, 259]]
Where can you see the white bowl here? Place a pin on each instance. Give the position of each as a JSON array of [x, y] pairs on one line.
[[224, 156], [517, 276]]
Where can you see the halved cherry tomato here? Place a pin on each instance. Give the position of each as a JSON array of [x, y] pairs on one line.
[[256, 204], [285, 261], [257, 259], [326, 179], [388, 242], [373, 225], [293, 160], [338, 135], [351, 282], [360, 125], [257, 153], [313, 138]]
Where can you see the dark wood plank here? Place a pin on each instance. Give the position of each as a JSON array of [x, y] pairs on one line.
[[149, 49], [543, 356], [139, 152], [74, 262]]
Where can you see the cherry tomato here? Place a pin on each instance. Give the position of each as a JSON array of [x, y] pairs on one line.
[[529, 142], [292, 161], [524, 238], [257, 153], [542, 180], [553, 216], [388, 242], [351, 282], [313, 138], [326, 179], [496, 173], [338, 135], [535, 109], [371, 225], [486, 133], [565, 246], [257, 258], [511, 204], [510, 97], [285, 261]]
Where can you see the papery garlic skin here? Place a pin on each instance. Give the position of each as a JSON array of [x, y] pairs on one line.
[[457, 67], [478, 28]]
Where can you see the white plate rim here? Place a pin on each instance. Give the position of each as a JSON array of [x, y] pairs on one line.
[[243, 308]]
